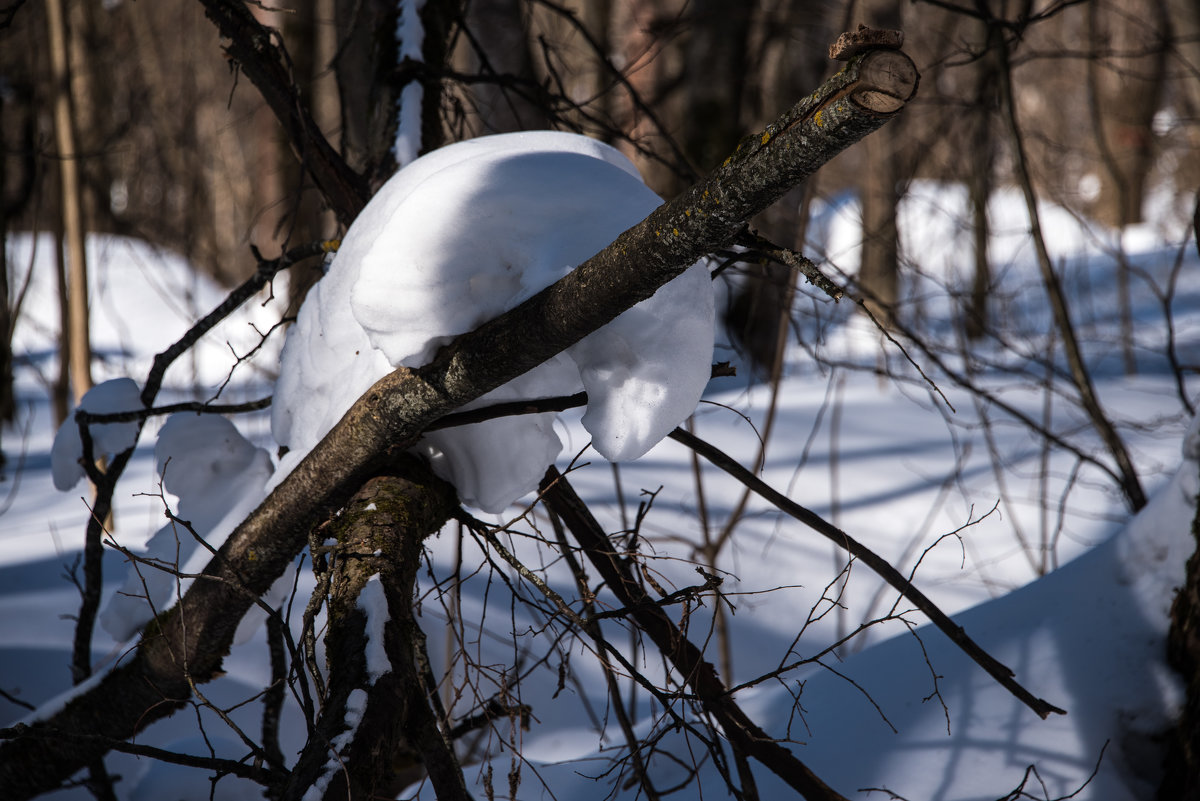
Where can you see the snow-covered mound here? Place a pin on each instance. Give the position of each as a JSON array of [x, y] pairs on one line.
[[218, 476], [457, 238], [108, 439]]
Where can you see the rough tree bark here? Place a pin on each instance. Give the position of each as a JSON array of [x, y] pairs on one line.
[[188, 642], [1182, 779], [379, 536]]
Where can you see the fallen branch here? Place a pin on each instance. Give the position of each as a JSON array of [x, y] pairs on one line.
[[188, 642]]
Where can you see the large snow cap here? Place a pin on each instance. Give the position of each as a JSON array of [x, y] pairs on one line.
[[455, 239]]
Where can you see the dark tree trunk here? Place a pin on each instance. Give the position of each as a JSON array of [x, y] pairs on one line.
[[879, 272], [981, 156], [1127, 89], [365, 67], [16, 188], [1182, 779], [500, 48], [380, 535]]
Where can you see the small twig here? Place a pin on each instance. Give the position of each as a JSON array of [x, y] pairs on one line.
[[596, 632], [266, 272], [685, 656], [263, 776], [492, 710], [792, 259], [883, 329], [12, 699]]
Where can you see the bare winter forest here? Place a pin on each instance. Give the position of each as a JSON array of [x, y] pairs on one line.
[[244, 137]]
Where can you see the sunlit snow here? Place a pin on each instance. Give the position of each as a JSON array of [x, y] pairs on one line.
[[459, 237]]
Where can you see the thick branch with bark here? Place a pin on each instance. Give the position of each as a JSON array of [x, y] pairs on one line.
[[380, 534], [188, 642]]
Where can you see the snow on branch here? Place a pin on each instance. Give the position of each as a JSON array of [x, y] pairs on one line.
[[185, 645]]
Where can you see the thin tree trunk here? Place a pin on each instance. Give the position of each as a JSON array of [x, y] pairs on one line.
[[16, 106], [879, 271], [500, 29], [1126, 89], [7, 400], [981, 155], [1131, 485], [60, 392], [369, 97], [79, 345]]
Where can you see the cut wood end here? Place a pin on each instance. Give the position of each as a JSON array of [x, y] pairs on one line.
[[851, 43], [878, 102], [887, 79]]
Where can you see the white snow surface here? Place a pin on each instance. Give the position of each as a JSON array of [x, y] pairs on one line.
[[373, 603], [457, 238], [356, 707]]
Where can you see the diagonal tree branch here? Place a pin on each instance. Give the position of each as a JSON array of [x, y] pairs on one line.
[[745, 735], [187, 643], [257, 51], [877, 563]]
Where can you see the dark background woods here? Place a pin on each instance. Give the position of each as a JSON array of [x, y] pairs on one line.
[[176, 147]]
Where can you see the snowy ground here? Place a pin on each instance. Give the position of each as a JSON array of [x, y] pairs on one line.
[[885, 458]]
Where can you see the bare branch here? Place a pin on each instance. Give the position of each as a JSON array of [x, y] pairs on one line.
[[259, 53], [688, 660]]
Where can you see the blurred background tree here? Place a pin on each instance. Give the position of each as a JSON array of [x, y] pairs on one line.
[[177, 149]]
